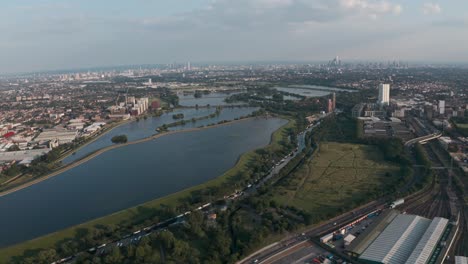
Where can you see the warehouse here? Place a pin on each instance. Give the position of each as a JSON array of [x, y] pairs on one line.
[[399, 238], [423, 251], [363, 241], [62, 135], [27, 155]]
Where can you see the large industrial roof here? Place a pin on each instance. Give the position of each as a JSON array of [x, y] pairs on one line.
[[426, 245], [396, 243], [372, 232], [461, 260]]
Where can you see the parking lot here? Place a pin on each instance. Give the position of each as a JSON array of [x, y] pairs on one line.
[[356, 229], [304, 255]]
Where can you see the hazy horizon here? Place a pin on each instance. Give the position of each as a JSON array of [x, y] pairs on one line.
[[48, 35]]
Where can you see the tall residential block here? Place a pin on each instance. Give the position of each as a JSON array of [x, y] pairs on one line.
[[441, 107], [384, 94]]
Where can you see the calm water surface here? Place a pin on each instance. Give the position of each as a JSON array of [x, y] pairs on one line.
[[146, 128], [211, 99], [311, 90], [128, 176]]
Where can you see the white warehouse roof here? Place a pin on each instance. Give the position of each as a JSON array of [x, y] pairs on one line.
[[461, 260], [426, 245], [396, 243]]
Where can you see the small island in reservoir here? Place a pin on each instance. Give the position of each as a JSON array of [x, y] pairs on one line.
[[120, 139]]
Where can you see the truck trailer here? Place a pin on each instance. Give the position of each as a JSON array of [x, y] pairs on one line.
[[397, 202]]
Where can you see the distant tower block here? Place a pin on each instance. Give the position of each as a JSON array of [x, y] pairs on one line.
[[384, 94], [150, 81], [441, 107], [334, 101], [189, 67], [330, 106]]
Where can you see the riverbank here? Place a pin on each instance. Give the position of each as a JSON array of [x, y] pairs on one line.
[[129, 215], [103, 150]]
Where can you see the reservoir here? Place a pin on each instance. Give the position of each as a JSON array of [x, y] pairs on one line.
[[311, 90], [212, 99], [128, 176], [147, 127]]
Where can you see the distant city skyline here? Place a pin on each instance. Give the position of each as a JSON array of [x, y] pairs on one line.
[[55, 35]]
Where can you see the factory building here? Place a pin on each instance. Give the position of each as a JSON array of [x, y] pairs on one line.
[[399, 239], [25, 156], [63, 136]]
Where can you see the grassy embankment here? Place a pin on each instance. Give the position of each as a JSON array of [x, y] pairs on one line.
[[339, 175], [50, 240]]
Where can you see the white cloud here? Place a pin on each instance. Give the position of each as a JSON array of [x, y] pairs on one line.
[[431, 8], [272, 3], [372, 6]]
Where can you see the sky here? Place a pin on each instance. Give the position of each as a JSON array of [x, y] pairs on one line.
[[38, 35]]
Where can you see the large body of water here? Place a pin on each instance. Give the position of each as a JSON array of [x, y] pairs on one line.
[[128, 176], [147, 127], [206, 99], [311, 90]]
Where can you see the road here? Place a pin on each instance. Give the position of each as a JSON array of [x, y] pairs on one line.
[[318, 230]]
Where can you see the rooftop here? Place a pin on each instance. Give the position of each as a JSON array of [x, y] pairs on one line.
[[396, 243]]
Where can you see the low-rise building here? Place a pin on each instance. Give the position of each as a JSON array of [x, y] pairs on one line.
[[63, 136], [27, 155]]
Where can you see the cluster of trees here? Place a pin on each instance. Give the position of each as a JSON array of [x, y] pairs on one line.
[[423, 159], [12, 171], [120, 139], [168, 95], [13, 148], [461, 125], [178, 116], [193, 120], [262, 94], [200, 93]]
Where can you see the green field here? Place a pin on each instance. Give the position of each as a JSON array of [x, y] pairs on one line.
[[338, 176], [146, 210], [461, 125]]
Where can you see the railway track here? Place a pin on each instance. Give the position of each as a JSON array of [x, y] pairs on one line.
[[461, 244]]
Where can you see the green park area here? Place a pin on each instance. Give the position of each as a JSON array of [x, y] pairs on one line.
[[461, 125], [337, 177], [116, 225]]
